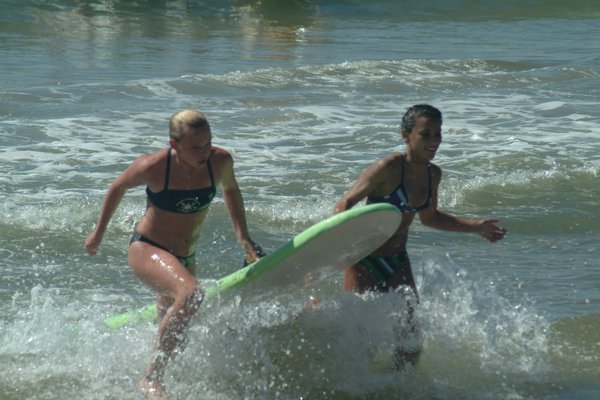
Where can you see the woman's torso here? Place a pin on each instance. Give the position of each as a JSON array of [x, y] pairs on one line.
[[178, 228], [417, 190]]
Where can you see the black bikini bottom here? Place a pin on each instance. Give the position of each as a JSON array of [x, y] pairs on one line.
[[186, 261], [383, 268]]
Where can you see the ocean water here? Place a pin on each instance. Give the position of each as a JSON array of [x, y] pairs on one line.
[[305, 94]]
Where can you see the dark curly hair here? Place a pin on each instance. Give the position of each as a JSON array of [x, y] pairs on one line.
[[419, 110]]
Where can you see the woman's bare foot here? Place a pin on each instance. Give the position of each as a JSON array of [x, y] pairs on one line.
[[152, 389]]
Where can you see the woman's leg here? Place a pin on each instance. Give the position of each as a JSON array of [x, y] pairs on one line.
[[163, 302], [359, 279], [179, 297], [409, 342]]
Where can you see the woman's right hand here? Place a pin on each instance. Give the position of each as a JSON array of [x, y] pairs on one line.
[[92, 243]]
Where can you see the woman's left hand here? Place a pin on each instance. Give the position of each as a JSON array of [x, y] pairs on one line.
[[490, 231]]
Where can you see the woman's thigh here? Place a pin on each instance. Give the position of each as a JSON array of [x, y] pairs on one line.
[[159, 269]]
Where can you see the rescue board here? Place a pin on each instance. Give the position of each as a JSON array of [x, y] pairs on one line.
[[328, 247]]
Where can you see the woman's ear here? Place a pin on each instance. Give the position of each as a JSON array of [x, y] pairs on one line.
[[172, 143], [405, 136]]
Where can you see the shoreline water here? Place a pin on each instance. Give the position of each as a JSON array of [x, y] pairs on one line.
[[305, 96]]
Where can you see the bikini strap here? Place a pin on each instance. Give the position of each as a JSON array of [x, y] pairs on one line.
[[168, 172], [429, 195], [210, 173], [402, 173]]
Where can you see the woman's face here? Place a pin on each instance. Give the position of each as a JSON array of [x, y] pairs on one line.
[[195, 146], [424, 138]]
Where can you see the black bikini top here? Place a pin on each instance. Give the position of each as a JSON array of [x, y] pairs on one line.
[[399, 198], [180, 200]]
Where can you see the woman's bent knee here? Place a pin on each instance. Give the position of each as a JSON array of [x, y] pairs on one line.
[[192, 296]]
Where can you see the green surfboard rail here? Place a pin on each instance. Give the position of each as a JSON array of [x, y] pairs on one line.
[[253, 271]]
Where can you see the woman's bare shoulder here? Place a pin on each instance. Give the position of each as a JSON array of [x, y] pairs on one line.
[[220, 152], [149, 168], [436, 171], [150, 160], [389, 163], [382, 174], [220, 157]]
